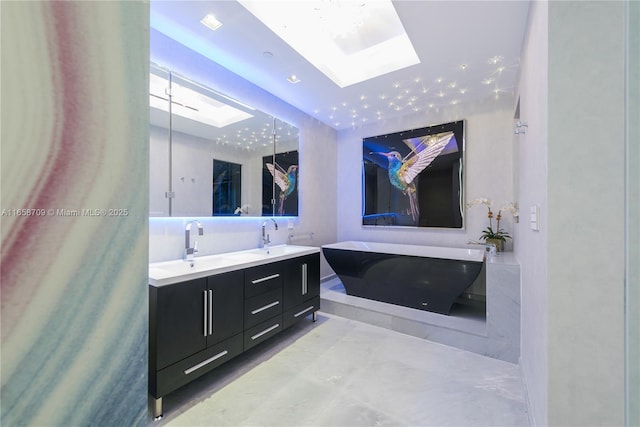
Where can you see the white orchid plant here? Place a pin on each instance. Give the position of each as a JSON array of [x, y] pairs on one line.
[[489, 232]]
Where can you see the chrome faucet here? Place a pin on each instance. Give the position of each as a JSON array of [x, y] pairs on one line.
[[265, 235], [190, 252]]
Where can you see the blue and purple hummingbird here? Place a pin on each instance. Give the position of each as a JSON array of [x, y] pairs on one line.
[[286, 181], [402, 171]]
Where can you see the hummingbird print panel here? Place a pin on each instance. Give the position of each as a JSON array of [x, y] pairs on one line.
[[280, 175], [414, 177]]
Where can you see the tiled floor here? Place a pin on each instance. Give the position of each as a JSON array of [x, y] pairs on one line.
[[341, 372]]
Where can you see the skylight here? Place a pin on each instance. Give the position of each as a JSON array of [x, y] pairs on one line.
[[349, 41]]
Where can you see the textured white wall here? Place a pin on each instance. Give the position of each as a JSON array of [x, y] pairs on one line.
[[488, 172], [586, 214], [633, 213], [531, 246]]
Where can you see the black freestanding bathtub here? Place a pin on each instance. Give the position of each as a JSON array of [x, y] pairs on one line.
[[424, 277]]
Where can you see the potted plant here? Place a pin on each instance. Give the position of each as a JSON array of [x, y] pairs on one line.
[[497, 237]]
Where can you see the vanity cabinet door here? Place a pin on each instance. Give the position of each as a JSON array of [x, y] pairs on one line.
[[176, 322], [301, 280], [225, 306]]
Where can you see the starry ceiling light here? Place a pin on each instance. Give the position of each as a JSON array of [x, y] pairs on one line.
[[350, 41]]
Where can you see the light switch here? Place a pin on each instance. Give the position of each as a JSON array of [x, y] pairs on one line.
[[534, 218]]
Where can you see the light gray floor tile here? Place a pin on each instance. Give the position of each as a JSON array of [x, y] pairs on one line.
[[341, 372]]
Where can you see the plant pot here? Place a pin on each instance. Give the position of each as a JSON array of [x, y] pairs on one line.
[[498, 243]]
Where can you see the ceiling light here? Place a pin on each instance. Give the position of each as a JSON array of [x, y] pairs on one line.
[[211, 22], [293, 79], [346, 57]]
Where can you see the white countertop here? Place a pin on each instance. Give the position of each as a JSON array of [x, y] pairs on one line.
[[175, 271]]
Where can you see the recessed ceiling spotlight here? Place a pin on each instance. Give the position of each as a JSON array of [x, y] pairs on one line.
[[495, 59], [452, 85], [462, 91], [488, 81], [211, 22], [439, 80], [463, 66], [396, 85], [293, 79]]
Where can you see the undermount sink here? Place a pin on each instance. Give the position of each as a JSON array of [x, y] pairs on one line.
[[168, 272]]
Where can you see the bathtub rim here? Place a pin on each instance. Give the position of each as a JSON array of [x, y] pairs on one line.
[[426, 251]]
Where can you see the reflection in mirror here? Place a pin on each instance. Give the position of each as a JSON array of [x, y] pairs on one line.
[[191, 125], [280, 174], [227, 188]]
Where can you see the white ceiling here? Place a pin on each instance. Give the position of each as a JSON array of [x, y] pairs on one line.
[[468, 51]]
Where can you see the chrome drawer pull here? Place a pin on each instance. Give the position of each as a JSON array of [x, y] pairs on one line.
[[303, 312], [210, 312], [304, 279], [266, 331], [205, 313], [206, 362], [266, 307], [264, 279]]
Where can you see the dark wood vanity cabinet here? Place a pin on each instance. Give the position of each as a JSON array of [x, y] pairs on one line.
[[197, 325], [301, 292], [194, 326]]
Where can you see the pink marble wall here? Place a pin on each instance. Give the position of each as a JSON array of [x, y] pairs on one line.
[[74, 201]]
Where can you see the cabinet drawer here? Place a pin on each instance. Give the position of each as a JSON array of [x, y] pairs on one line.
[[262, 278], [187, 370], [262, 307], [301, 311], [262, 331]]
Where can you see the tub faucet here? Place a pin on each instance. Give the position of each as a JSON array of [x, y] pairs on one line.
[[190, 252], [265, 235]]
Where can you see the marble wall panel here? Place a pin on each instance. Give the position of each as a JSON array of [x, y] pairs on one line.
[[74, 213]]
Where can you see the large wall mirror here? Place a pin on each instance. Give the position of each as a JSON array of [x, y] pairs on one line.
[[212, 155]]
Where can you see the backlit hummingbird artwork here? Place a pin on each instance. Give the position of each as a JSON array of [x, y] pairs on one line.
[[403, 170], [285, 180]]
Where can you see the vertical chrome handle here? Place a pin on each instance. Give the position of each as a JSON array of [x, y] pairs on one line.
[[304, 279], [210, 312], [205, 313]]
